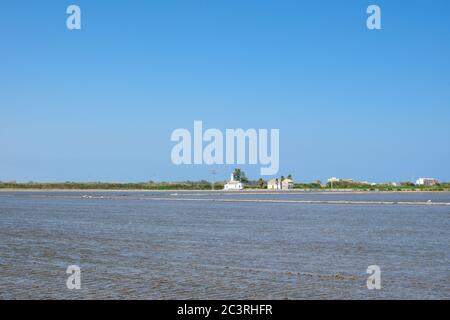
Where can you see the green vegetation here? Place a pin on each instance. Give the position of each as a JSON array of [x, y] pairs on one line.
[[239, 175], [261, 183], [206, 185], [307, 186], [185, 185]]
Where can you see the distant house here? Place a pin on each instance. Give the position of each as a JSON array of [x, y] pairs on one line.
[[278, 184], [287, 184], [233, 184], [427, 182], [334, 179], [274, 184]]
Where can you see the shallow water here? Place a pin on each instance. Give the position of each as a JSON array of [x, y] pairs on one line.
[[139, 249]]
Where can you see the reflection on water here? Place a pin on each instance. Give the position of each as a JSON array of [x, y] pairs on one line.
[[137, 249]]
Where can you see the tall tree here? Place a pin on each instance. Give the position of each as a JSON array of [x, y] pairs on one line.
[[261, 183], [239, 175]]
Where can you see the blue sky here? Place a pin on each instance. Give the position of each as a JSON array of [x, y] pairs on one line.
[[99, 104]]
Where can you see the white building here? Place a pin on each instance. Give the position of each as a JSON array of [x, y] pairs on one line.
[[233, 184], [426, 182], [334, 179], [287, 184], [274, 184]]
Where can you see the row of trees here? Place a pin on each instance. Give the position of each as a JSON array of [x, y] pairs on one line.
[[238, 175], [183, 185]]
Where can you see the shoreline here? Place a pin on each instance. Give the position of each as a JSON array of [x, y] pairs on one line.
[[221, 191]]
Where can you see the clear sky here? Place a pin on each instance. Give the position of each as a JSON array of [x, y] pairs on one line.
[[100, 104]]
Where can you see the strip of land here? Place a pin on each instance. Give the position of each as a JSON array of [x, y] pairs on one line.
[[414, 203], [200, 197], [197, 186], [208, 192]]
